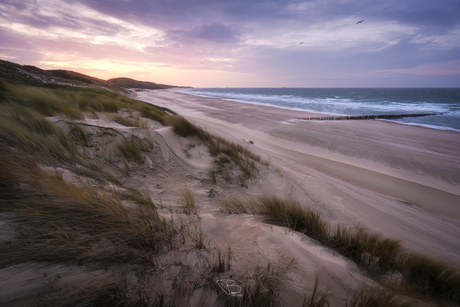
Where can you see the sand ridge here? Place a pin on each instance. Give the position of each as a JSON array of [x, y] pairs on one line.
[[401, 181], [374, 175]]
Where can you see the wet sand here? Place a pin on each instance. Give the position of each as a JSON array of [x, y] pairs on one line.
[[417, 165], [399, 181]]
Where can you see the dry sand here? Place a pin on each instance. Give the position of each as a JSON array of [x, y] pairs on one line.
[[398, 180]]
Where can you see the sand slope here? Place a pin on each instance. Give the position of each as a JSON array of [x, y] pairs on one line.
[[398, 181], [401, 181]]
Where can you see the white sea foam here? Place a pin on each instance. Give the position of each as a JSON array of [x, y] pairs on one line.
[[445, 102]]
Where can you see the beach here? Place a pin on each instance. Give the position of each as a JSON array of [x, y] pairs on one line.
[[397, 180], [202, 196]]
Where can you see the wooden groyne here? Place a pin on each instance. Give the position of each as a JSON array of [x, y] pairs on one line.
[[362, 117]]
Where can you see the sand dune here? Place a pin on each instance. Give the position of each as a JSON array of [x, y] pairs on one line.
[[398, 181], [401, 181]]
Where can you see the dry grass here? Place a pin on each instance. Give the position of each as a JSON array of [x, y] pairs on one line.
[[375, 254], [187, 199], [379, 257], [223, 261], [184, 128], [234, 206], [131, 149], [376, 297], [55, 221], [316, 298], [70, 223], [155, 113], [129, 121], [225, 153], [72, 101], [431, 278], [261, 288], [292, 216]]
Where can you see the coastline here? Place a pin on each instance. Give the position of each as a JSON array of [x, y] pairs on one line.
[[399, 180], [204, 197], [418, 156], [318, 113]]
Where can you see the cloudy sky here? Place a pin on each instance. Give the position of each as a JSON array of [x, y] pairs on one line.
[[242, 43]]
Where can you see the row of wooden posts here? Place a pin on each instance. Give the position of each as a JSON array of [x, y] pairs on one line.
[[360, 117]]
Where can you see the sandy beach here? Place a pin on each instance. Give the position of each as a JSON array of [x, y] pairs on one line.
[[398, 180], [395, 181]]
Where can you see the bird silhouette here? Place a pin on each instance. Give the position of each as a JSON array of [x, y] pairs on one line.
[[361, 21]]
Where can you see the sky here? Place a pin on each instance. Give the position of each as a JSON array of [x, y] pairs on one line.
[[240, 43]]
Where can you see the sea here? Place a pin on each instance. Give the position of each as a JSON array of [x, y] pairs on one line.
[[443, 102]]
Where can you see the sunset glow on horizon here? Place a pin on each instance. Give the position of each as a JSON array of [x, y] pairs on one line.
[[217, 43]]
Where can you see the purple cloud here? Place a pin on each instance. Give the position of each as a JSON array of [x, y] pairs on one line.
[[33, 14], [215, 33], [242, 36]]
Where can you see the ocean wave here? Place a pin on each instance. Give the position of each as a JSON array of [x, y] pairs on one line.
[[352, 102]]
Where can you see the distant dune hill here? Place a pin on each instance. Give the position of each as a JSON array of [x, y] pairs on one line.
[[71, 75], [23, 74], [131, 83], [31, 75]]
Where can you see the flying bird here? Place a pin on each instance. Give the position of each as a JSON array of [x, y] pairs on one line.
[[361, 21], [302, 43]]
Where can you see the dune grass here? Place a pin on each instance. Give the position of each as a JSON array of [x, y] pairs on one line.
[[72, 101], [187, 199], [129, 121], [373, 253], [225, 153], [381, 297], [60, 222], [132, 148], [291, 215], [30, 133], [261, 289], [431, 278], [316, 298], [234, 205], [379, 257], [56, 221]]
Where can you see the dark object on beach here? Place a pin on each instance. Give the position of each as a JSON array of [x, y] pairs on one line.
[[360, 117]]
